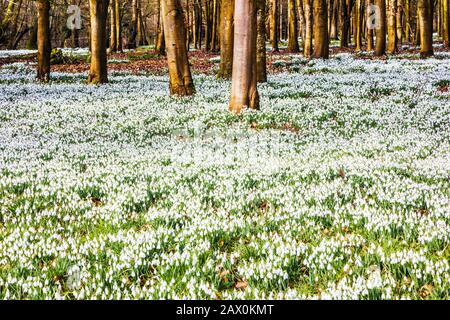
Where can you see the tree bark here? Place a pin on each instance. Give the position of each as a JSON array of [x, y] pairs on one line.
[[226, 39], [446, 23], [275, 24], [160, 46], [293, 28], [261, 43], [321, 46], [391, 26], [113, 36], [118, 26], [369, 37], [380, 46], [133, 25], [308, 42], [244, 92], [98, 72], [43, 40], [425, 8], [358, 26], [181, 83]]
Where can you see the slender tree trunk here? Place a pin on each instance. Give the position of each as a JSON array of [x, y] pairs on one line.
[[358, 26], [346, 15], [301, 15], [380, 46], [308, 43], [226, 39], [293, 27], [181, 83], [99, 18], [113, 36], [275, 24], [399, 22], [391, 26], [160, 47], [369, 37], [321, 48], [32, 41], [133, 25], [43, 40], [425, 8], [118, 26], [446, 23], [261, 43], [244, 92]]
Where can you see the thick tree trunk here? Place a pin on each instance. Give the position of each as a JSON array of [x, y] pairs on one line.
[[43, 40], [275, 24], [293, 28], [226, 39], [321, 47], [244, 92], [380, 46], [98, 72], [308, 43], [425, 8], [261, 43], [391, 26], [181, 83]]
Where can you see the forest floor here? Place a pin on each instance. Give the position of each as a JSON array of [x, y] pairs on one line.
[[338, 188]]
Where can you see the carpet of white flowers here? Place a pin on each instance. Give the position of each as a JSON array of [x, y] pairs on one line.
[[337, 189]]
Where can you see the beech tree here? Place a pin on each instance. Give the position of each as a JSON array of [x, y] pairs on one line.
[[177, 56], [274, 24], [321, 44], [391, 26], [293, 27], [261, 42], [43, 40], [244, 91], [226, 39], [425, 13], [380, 46], [98, 72]]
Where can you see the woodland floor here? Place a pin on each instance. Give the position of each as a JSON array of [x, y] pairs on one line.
[[338, 188]]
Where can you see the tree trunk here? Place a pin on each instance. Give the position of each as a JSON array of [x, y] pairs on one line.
[[346, 15], [321, 47], [98, 72], [391, 26], [446, 23], [160, 47], [380, 46], [118, 26], [425, 8], [293, 28], [43, 40], [181, 83], [226, 39], [133, 25], [244, 92], [113, 36], [369, 27], [275, 24], [308, 43], [261, 43], [399, 22], [358, 26]]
